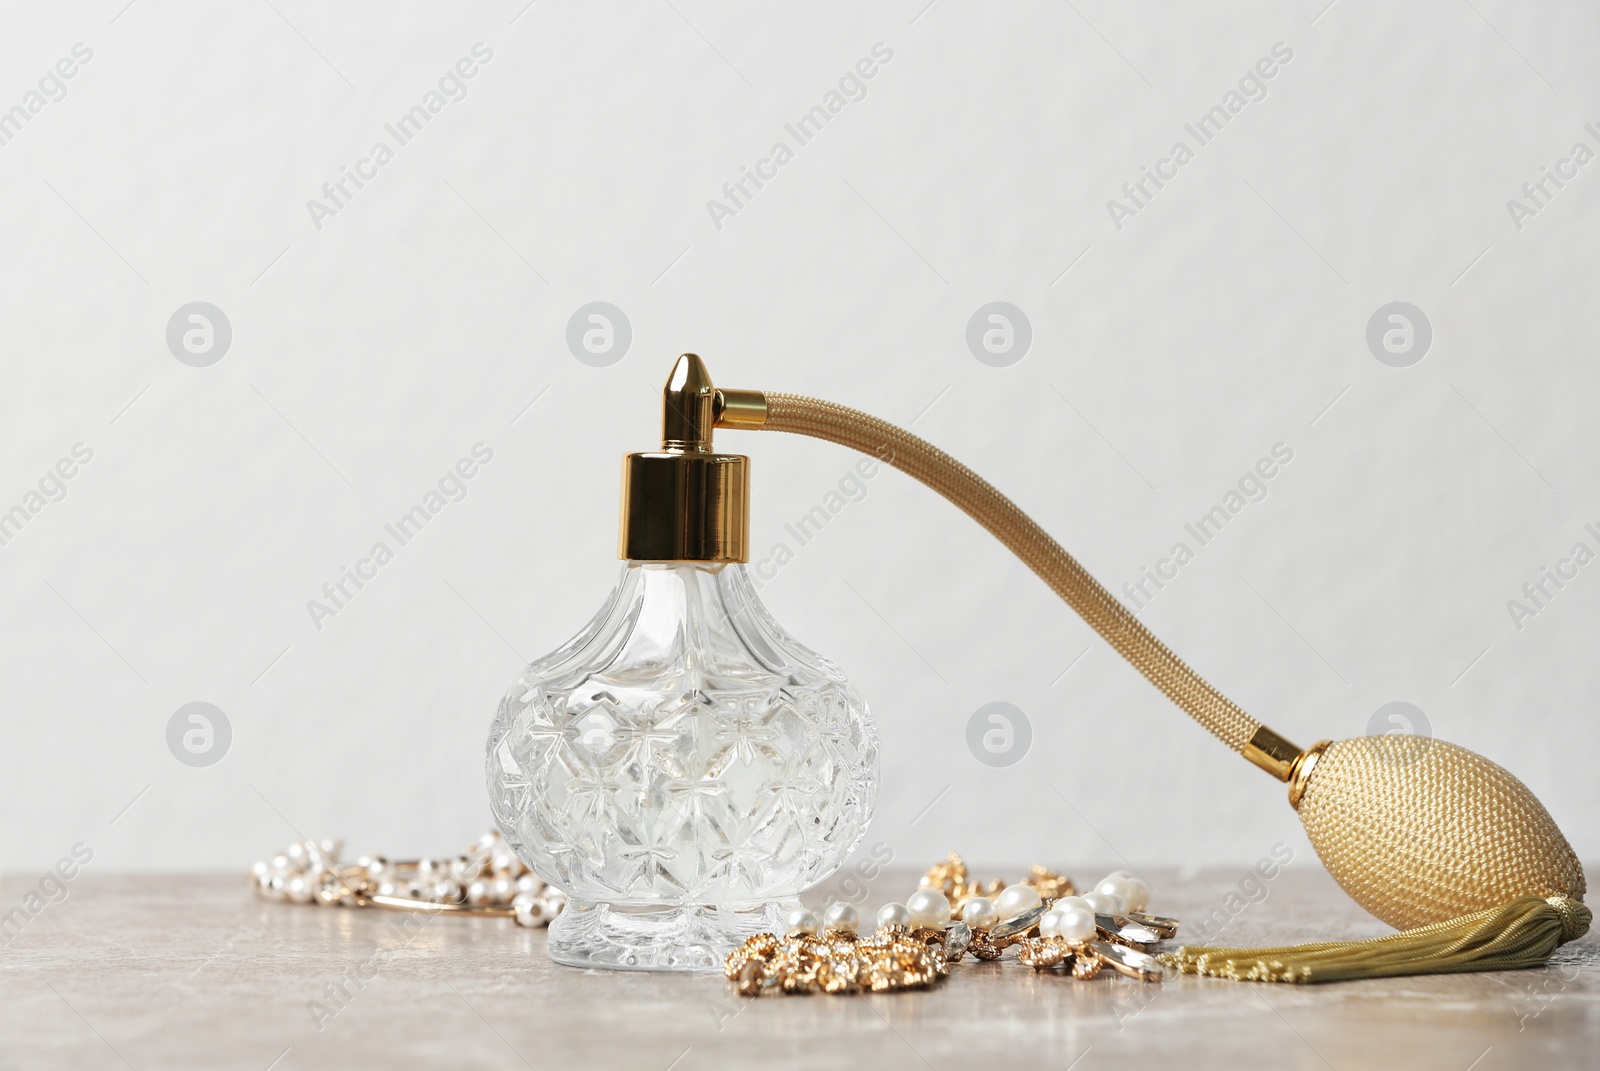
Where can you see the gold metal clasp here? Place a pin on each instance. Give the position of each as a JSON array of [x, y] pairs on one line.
[[742, 409], [1272, 753], [1300, 773]]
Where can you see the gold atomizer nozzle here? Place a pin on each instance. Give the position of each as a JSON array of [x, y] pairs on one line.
[[686, 503]]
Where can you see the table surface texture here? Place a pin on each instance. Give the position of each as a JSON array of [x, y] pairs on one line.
[[167, 971]]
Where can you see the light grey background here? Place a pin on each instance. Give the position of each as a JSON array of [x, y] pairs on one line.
[[430, 313]]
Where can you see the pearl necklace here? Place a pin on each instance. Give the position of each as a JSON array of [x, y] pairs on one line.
[[488, 880]]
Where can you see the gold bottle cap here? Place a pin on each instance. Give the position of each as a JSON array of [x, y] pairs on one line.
[[685, 503]]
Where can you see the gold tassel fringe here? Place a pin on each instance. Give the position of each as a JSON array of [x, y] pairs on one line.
[[1522, 933]]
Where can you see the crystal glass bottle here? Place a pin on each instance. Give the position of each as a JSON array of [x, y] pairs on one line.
[[683, 767]]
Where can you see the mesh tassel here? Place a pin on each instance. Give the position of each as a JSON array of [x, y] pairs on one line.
[[1522, 933]]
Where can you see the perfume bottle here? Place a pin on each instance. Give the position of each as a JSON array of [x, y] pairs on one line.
[[682, 767]]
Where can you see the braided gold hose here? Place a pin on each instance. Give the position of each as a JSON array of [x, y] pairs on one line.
[[977, 498]]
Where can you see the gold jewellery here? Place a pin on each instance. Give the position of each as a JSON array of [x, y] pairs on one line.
[[949, 916], [488, 879]]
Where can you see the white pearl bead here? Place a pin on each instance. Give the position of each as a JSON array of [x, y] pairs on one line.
[[1074, 924], [299, 889], [841, 917], [484, 848], [1016, 899], [477, 892], [554, 900], [296, 853], [928, 907], [504, 861], [1132, 891], [529, 909], [980, 913], [1103, 903], [447, 892], [1071, 901], [281, 864], [894, 914], [501, 890], [1050, 923], [800, 920], [530, 883]]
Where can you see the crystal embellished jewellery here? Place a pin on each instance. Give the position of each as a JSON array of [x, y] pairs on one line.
[[948, 916], [488, 879]]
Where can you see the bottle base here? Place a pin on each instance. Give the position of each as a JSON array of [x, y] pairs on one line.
[[658, 937]]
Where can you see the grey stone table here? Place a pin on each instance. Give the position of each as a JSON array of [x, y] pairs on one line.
[[161, 972]]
